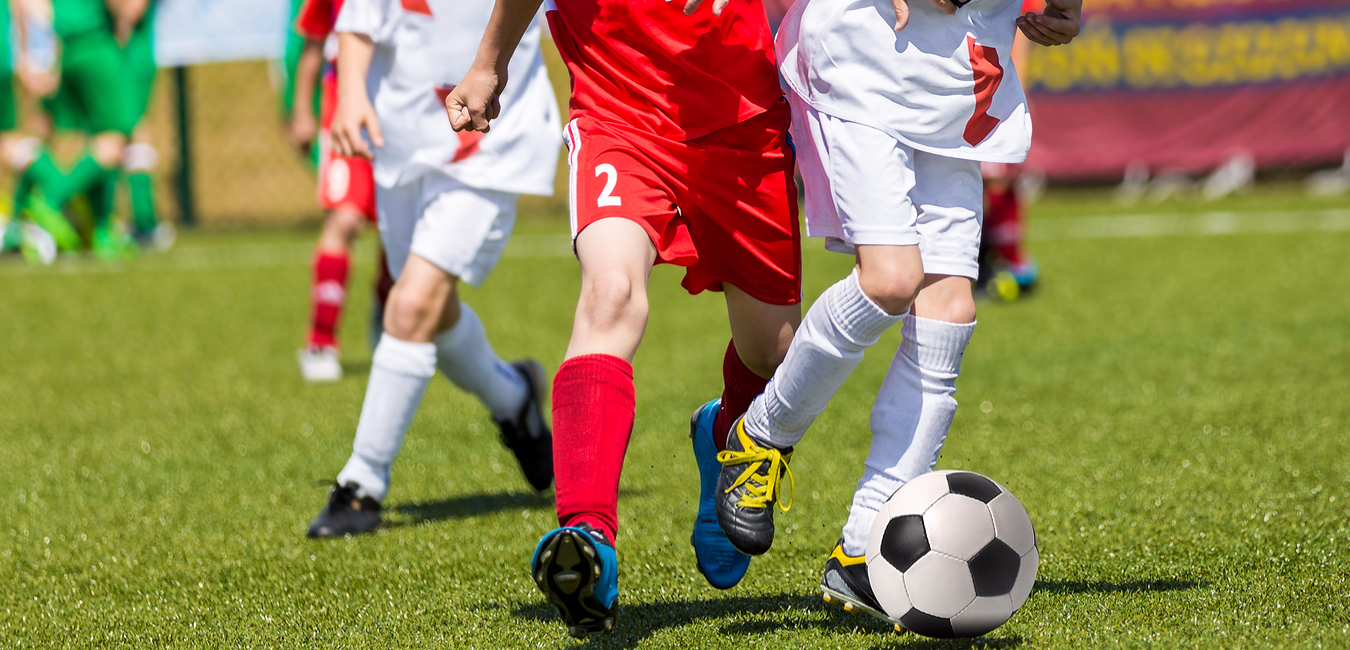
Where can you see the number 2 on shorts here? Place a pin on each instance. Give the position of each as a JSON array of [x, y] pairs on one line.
[[612, 177]]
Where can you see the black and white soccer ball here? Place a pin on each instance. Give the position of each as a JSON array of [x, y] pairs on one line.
[[952, 554]]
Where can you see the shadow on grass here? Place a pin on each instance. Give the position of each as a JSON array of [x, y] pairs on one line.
[[1098, 587], [475, 505], [469, 505], [767, 614]]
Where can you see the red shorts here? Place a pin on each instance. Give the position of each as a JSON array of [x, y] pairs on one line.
[[344, 182], [724, 206]]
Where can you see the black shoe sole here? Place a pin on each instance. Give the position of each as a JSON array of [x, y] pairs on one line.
[[567, 574]]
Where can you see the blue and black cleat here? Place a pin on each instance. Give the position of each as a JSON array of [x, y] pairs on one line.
[[719, 562], [578, 571]]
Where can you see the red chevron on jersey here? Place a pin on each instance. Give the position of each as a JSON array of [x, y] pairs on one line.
[[988, 73], [416, 7]]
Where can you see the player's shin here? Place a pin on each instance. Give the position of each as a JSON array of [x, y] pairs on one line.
[[593, 410], [740, 387], [399, 374], [830, 343], [911, 417], [466, 357]]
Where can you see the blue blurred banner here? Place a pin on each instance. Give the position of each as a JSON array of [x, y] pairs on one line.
[[204, 31]]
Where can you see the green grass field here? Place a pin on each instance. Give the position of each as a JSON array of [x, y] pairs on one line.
[[1171, 406]]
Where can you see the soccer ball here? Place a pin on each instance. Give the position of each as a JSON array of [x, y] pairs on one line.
[[952, 554]]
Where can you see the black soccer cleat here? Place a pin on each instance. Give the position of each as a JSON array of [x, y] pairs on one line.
[[846, 584], [748, 488], [527, 435], [577, 569], [346, 513]]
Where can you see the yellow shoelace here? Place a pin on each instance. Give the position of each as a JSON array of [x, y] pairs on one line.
[[759, 488]]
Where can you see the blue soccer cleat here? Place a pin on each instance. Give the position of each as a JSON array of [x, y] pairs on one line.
[[718, 560], [578, 571]]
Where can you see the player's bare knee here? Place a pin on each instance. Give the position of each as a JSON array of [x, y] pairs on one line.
[[107, 149], [410, 313], [892, 288], [947, 298], [611, 301]]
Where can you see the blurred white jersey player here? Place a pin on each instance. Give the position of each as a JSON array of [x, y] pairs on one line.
[[891, 123], [446, 204]]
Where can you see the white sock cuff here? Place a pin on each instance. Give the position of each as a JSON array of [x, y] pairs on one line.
[[936, 346], [405, 357], [139, 157], [23, 153], [463, 328], [854, 314]]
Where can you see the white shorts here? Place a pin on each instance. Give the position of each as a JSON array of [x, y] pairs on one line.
[[460, 229], [864, 187]]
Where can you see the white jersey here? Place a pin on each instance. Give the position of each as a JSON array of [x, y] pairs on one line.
[[423, 48], [944, 84]]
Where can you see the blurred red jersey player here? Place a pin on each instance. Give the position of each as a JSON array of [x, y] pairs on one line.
[[678, 154], [346, 192]]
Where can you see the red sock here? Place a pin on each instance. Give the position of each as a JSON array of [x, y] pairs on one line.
[[1003, 221], [741, 388], [327, 296], [593, 402]]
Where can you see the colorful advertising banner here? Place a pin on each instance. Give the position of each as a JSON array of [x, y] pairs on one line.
[[1182, 85]]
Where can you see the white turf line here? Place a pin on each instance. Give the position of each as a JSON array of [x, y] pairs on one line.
[[250, 256]]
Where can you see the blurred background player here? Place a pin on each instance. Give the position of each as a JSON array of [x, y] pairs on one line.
[[346, 192], [1006, 269], [96, 96], [34, 57], [140, 157], [447, 205]]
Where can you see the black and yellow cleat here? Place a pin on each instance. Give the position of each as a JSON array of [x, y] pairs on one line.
[[748, 489], [846, 584]]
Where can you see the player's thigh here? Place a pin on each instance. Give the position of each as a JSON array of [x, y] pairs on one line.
[[463, 230], [949, 195], [625, 177], [398, 209], [871, 176], [616, 257]]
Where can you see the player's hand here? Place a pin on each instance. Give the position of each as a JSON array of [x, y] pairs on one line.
[[352, 116], [1056, 26], [902, 11], [302, 130], [476, 101], [690, 6]]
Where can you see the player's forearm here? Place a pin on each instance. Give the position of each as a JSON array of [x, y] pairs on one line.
[[306, 76], [510, 19], [354, 54]]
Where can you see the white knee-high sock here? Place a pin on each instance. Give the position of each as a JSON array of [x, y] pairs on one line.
[[467, 359], [910, 419], [399, 375], [842, 324]]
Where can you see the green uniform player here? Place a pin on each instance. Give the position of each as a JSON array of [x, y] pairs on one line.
[[141, 156], [97, 96], [297, 61]]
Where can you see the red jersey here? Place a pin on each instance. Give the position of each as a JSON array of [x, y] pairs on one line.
[[645, 65], [317, 17]]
